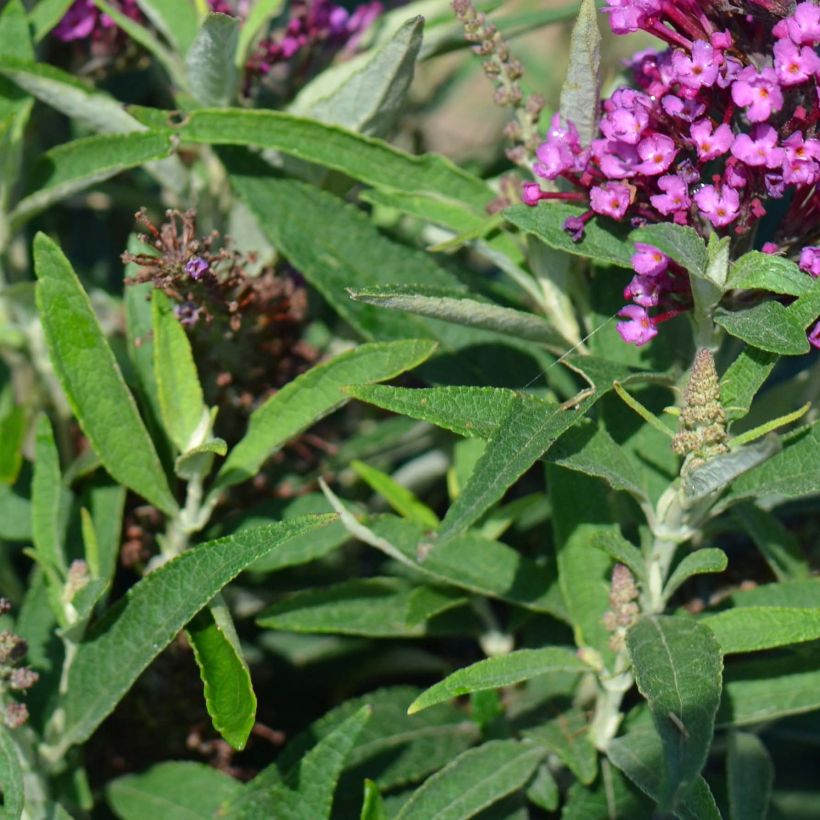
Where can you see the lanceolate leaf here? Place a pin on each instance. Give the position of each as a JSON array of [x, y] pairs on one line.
[[752, 628], [92, 380], [678, 669], [11, 777], [494, 673], [475, 779], [47, 498], [312, 396], [122, 644], [696, 563], [580, 92], [768, 326], [212, 74], [745, 376], [751, 775], [402, 500]]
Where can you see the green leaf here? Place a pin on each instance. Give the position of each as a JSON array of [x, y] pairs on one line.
[[678, 669], [258, 16], [402, 500], [45, 15], [763, 271], [567, 736], [494, 673], [176, 20], [12, 434], [121, 645], [750, 776], [47, 498], [700, 562], [179, 392], [373, 607], [183, 790], [80, 164], [611, 796], [768, 326], [312, 396], [801, 593], [307, 790], [229, 695], [198, 460], [681, 243], [752, 628], [15, 40], [789, 474], [476, 779], [372, 805], [639, 755], [366, 94], [778, 545], [15, 515], [624, 552], [106, 502], [745, 376], [461, 310], [604, 241], [772, 686], [212, 73], [580, 94], [92, 380], [11, 777]]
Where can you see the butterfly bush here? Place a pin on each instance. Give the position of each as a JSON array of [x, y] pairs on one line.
[[712, 132]]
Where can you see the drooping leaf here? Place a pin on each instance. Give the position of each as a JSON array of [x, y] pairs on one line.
[[752, 628], [494, 673], [780, 546], [751, 776], [209, 63], [580, 94], [678, 669], [92, 379], [763, 271], [229, 695], [313, 395], [475, 779], [122, 644], [768, 326], [182, 789], [11, 777], [700, 562]]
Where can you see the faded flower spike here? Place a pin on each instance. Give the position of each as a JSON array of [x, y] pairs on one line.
[[702, 434], [13, 678], [623, 610]]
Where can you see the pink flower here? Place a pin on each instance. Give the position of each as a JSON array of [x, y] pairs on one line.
[[758, 92], [711, 143], [803, 27], [675, 196], [657, 152], [810, 260], [687, 110], [610, 199], [800, 166], [701, 69], [627, 16], [814, 335], [639, 329], [531, 193], [78, 22], [649, 260], [553, 159], [770, 248], [643, 290], [625, 124], [617, 160], [759, 147], [794, 65], [719, 207]]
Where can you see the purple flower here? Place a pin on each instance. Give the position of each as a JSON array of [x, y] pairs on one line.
[[196, 267], [649, 260], [687, 110], [610, 199], [719, 207], [810, 260], [639, 329], [794, 65], [814, 335], [758, 92], [675, 196], [627, 16], [800, 166], [78, 22], [701, 69], [770, 248], [657, 152], [711, 142], [617, 160], [758, 148], [803, 27], [531, 193], [644, 291]]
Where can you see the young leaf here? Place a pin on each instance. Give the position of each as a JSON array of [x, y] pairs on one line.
[[621, 550], [678, 669], [745, 376], [366, 94], [750, 776], [92, 381], [397, 496], [312, 396], [763, 271], [768, 326], [179, 392], [212, 73], [476, 779], [229, 695], [47, 498], [779, 545], [11, 777], [180, 789], [581, 90], [307, 790], [106, 503], [122, 644], [700, 562], [752, 628], [372, 805], [493, 673], [176, 20]]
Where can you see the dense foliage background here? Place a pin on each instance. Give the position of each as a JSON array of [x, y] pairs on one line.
[[331, 484]]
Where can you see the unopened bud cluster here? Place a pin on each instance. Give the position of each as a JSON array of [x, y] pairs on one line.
[[505, 71], [702, 434], [623, 611], [13, 677]]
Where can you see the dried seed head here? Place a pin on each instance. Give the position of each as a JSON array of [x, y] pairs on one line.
[[16, 715]]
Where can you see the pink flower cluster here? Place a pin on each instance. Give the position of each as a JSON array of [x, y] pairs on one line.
[[84, 20], [717, 126]]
